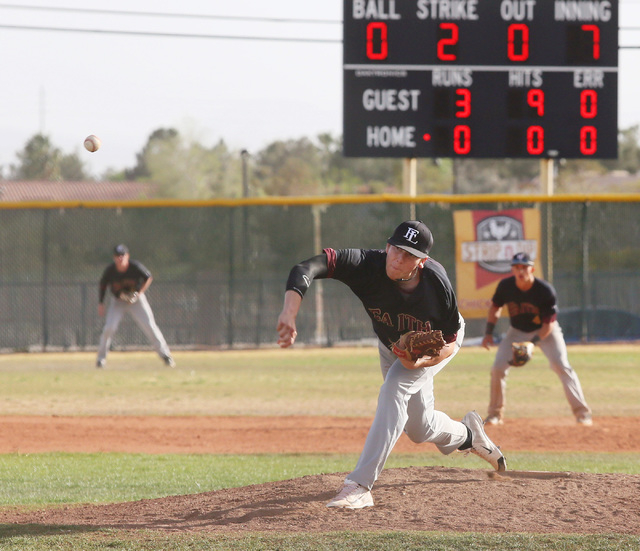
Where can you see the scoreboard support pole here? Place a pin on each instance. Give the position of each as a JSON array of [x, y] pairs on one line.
[[547, 183], [546, 176], [409, 182]]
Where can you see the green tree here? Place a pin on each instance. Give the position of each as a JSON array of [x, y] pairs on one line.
[[41, 160], [157, 137], [292, 167], [321, 168], [188, 170], [72, 168], [628, 151]]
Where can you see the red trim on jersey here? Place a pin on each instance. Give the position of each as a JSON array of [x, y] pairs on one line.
[[450, 338], [550, 319], [331, 261]]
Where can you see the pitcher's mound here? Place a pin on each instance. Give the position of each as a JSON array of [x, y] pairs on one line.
[[415, 498]]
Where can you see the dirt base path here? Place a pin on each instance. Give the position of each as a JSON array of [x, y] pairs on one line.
[[416, 498], [32, 434]]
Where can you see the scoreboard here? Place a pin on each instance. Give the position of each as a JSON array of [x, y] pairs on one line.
[[480, 78]]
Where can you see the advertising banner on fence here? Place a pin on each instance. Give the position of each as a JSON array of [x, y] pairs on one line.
[[485, 243]]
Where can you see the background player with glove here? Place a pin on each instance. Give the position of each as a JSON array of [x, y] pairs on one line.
[[532, 307], [128, 281], [402, 290]]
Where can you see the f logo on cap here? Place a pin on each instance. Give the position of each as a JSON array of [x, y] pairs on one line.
[[411, 235], [414, 237]]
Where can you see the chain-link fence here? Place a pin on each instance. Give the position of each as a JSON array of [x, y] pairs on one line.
[[219, 268]]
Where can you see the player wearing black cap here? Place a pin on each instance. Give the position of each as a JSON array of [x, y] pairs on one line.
[[128, 280], [402, 289], [532, 306]]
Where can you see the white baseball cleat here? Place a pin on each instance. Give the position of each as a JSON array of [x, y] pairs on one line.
[[585, 420], [481, 444], [352, 496], [493, 420]]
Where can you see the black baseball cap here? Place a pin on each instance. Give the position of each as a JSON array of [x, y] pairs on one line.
[[521, 259], [120, 250], [414, 237]]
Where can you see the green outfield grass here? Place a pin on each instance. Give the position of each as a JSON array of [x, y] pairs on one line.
[[297, 382], [39, 479], [13, 538], [63, 538], [275, 382]]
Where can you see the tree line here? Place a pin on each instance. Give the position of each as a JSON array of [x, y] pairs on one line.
[[186, 169]]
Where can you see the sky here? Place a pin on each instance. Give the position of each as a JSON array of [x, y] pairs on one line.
[[249, 93]]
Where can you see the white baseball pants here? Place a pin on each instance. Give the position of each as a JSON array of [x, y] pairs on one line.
[[406, 403], [143, 316], [555, 349]]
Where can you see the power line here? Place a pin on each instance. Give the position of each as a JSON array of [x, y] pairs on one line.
[[171, 35], [179, 15], [202, 36], [196, 15]]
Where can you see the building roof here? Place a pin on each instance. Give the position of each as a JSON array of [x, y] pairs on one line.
[[18, 191]]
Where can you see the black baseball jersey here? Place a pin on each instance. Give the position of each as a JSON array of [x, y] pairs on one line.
[[528, 310], [132, 279], [392, 312]]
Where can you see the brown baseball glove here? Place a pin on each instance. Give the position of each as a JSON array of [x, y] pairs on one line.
[[522, 352], [416, 344], [129, 296]]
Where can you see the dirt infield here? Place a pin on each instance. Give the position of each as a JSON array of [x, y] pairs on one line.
[[416, 498], [291, 434]]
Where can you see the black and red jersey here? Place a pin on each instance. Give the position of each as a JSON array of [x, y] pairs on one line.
[[392, 311], [528, 310], [132, 279]]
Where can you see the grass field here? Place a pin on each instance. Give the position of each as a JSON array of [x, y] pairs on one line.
[[273, 382], [297, 382]]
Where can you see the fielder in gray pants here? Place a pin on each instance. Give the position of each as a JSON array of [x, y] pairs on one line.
[[128, 280], [532, 306], [554, 348]]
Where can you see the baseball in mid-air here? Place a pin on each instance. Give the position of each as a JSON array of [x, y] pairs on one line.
[[92, 143]]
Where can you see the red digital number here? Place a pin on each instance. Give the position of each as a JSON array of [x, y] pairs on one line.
[[588, 104], [523, 31], [451, 41], [535, 140], [535, 99], [382, 39], [462, 139], [596, 38], [464, 103], [588, 140]]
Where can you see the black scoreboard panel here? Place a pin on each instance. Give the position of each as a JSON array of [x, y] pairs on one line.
[[480, 78]]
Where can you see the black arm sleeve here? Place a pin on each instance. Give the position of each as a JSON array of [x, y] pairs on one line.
[[302, 274]]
